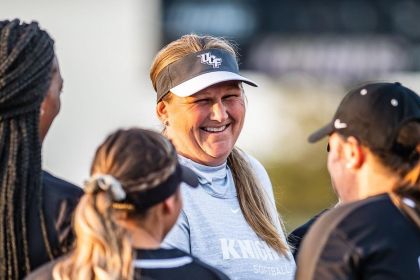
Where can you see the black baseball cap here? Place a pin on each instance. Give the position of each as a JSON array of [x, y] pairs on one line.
[[373, 113]]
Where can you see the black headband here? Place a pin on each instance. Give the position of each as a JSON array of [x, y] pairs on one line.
[[145, 199]]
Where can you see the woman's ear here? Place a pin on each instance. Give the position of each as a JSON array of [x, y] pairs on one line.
[[168, 205], [353, 153], [161, 111]]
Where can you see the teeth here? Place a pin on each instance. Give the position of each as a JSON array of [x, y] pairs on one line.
[[215, 129]]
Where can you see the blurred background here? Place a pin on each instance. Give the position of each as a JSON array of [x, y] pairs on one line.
[[305, 55]]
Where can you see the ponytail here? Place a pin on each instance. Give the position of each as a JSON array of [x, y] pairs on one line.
[[103, 250], [413, 176], [405, 161], [127, 162]]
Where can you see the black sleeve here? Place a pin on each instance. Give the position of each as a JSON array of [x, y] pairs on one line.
[[59, 198], [60, 201], [295, 237]]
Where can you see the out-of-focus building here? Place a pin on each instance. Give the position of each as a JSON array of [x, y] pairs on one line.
[[346, 41]]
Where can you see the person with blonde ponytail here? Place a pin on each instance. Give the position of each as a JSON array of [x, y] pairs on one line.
[[131, 201], [230, 220], [374, 163]]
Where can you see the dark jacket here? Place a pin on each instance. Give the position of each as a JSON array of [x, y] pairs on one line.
[[367, 239], [296, 236], [59, 199], [159, 264]]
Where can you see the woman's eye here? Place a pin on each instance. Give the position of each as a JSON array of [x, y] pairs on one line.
[[229, 97], [201, 101]]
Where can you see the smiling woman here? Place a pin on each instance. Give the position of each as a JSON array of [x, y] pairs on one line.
[[201, 103], [206, 125]]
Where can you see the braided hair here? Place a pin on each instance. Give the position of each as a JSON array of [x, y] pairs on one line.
[[139, 160], [26, 56]]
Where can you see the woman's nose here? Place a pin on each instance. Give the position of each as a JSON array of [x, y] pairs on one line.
[[219, 112]]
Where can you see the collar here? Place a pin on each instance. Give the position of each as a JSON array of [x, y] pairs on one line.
[[207, 174]]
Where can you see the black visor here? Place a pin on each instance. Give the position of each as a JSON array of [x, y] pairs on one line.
[[198, 71], [146, 199]]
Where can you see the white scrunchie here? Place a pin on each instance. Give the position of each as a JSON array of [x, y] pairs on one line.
[[105, 183]]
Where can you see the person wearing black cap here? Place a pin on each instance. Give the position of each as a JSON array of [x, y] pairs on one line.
[[130, 203], [231, 219], [374, 163]]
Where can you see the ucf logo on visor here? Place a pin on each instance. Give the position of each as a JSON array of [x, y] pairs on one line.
[[209, 59]]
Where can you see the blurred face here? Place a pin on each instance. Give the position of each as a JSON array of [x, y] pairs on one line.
[[341, 176], [50, 107], [204, 127]]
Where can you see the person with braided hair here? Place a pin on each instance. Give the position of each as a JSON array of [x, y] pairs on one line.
[[35, 207], [131, 202]]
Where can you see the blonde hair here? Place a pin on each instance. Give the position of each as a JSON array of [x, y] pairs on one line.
[[139, 159], [251, 196]]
